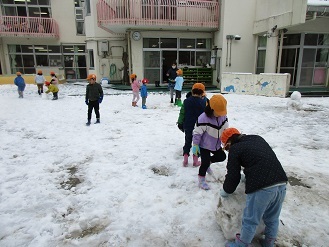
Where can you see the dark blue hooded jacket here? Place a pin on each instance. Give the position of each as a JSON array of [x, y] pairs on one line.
[[193, 107], [20, 83]]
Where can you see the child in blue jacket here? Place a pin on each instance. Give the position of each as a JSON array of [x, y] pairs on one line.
[[144, 92], [20, 83], [179, 81]]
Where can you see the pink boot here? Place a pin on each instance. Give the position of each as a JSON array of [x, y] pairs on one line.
[[185, 161], [196, 161]]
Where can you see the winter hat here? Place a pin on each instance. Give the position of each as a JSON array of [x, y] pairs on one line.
[[199, 85], [91, 76], [218, 104], [227, 134], [179, 72], [52, 73], [18, 73], [133, 76], [40, 72], [145, 81]]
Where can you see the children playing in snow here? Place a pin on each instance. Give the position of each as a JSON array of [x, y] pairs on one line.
[[206, 134], [39, 80], [191, 109], [135, 86], [94, 96], [265, 184], [178, 87], [53, 89], [20, 83], [144, 92]]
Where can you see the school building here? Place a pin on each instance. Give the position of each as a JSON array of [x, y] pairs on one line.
[[113, 38]]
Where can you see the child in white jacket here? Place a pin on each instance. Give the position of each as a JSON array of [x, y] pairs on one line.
[[39, 80]]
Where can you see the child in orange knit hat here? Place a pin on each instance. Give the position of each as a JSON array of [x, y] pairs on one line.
[[206, 136], [135, 86]]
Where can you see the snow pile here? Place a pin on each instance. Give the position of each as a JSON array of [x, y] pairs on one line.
[[121, 183]]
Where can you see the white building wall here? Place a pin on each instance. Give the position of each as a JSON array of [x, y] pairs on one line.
[[64, 14], [282, 13], [117, 44], [237, 18]]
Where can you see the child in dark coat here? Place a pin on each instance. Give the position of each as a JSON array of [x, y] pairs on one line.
[[191, 109], [20, 83], [265, 184], [94, 96]]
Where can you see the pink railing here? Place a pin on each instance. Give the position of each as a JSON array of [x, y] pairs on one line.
[[19, 26], [187, 13]]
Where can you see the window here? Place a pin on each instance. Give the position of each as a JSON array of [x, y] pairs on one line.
[[91, 59], [79, 17], [151, 43], [168, 43], [187, 43], [32, 8], [187, 58], [261, 54], [80, 23], [203, 43], [87, 7], [25, 58], [291, 39], [202, 58]]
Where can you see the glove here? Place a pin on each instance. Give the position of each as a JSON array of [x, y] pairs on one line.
[[87, 102], [196, 150], [180, 126], [100, 100], [223, 193]]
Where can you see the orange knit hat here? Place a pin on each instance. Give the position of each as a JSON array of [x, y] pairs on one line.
[[133, 76], [218, 104], [179, 72], [227, 133], [199, 85], [91, 76], [18, 73]]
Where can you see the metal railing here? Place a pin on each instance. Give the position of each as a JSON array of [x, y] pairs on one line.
[[174, 13], [18, 26]]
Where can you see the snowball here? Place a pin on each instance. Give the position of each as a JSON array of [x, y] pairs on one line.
[[296, 96]]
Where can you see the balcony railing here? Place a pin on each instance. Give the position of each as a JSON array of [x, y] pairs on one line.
[[18, 26], [118, 15]]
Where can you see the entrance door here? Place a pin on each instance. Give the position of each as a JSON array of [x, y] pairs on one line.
[[152, 66], [168, 58]]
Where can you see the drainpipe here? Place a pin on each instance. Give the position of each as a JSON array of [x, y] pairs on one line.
[[230, 53], [280, 52], [226, 52], [129, 54]]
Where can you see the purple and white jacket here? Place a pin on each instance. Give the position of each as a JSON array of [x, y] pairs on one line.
[[208, 130]]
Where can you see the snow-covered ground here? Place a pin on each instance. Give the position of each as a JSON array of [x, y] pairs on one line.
[[121, 183]]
